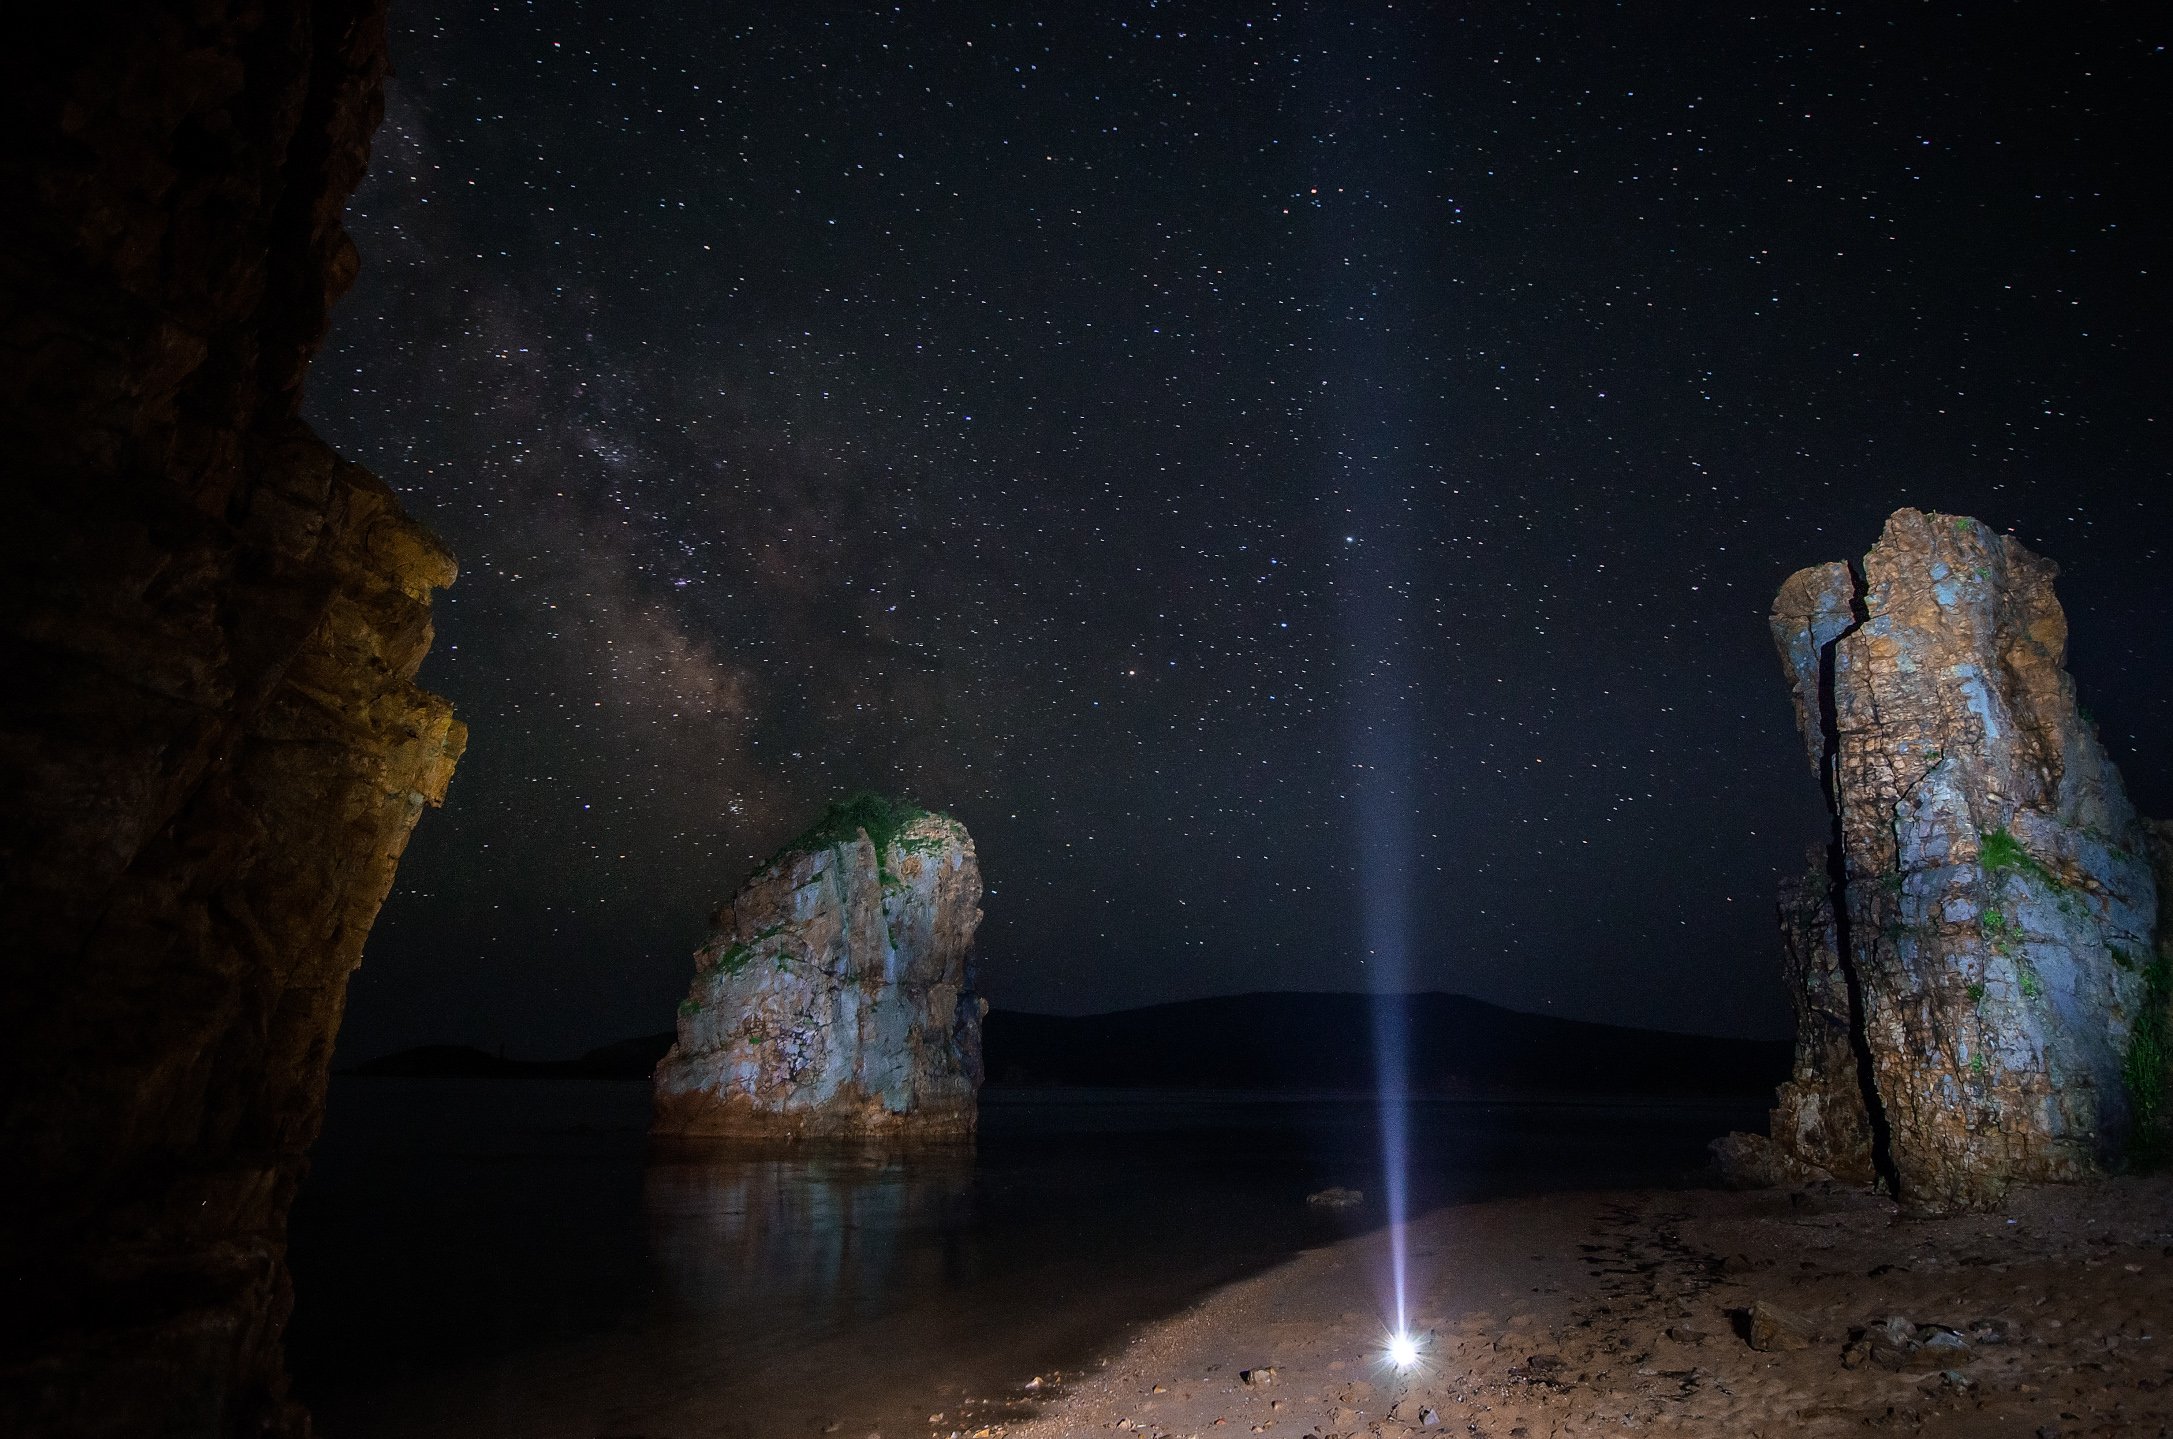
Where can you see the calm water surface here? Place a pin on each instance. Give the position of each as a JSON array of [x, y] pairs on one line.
[[503, 1257]]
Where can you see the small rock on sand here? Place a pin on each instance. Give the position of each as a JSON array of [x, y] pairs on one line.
[[1414, 1414], [1897, 1344], [1258, 1378], [1772, 1329]]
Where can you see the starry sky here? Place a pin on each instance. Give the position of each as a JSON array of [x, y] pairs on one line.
[[1243, 460]]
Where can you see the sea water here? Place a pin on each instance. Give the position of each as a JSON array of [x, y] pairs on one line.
[[503, 1257]]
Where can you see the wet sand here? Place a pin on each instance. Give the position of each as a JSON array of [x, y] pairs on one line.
[[1626, 1313]]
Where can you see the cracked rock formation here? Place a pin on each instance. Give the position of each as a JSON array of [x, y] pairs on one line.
[[1989, 960], [1820, 1120], [834, 998], [212, 750]]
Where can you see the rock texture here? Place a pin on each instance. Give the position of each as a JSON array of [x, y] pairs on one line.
[[1821, 1121], [834, 998], [1985, 925], [211, 747], [2150, 1048]]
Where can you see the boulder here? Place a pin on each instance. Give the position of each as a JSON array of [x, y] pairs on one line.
[[1986, 930], [834, 997]]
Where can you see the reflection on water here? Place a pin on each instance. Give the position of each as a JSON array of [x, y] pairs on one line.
[[820, 1240], [504, 1257]]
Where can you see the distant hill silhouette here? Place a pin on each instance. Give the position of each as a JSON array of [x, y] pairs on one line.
[[1459, 1045], [626, 1059]]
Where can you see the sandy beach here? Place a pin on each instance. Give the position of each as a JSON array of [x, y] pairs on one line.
[[1636, 1312]]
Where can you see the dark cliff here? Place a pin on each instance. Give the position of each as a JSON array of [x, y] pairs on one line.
[[211, 745]]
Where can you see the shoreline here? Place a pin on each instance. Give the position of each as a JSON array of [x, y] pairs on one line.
[[1628, 1312]]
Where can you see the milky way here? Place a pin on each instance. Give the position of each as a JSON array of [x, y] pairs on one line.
[[1005, 405]]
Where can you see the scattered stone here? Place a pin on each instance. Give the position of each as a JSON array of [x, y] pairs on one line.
[[1413, 1413], [1336, 1197], [1771, 1329], [1539, 1369], [1893, 1343], [1939, 1339], [1897, 1344], [1258, 1378], [1684, 1334]]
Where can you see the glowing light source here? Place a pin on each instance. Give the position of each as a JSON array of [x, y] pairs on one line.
[[1402, 1350]]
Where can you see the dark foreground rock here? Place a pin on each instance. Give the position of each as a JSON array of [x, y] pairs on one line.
[[211, 747], [834, 998], [1973, 961]]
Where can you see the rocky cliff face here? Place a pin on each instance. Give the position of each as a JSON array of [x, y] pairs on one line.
[[211, 745], [1993, 937], [834, 997], [1820, 1118], [2149, 1070]]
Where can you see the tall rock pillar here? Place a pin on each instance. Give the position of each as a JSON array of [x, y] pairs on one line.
[[1991, 900], [834, 999]]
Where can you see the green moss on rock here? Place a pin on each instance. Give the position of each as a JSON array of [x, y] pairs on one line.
[[2143, 1068], [1999, 852], [885, 818]]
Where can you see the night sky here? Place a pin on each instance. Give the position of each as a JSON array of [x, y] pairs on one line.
[[1197, 445]]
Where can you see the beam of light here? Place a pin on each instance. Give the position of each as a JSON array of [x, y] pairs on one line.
[[1402, 1352], [1383, 746], [1383, 754], [1374, 248]]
